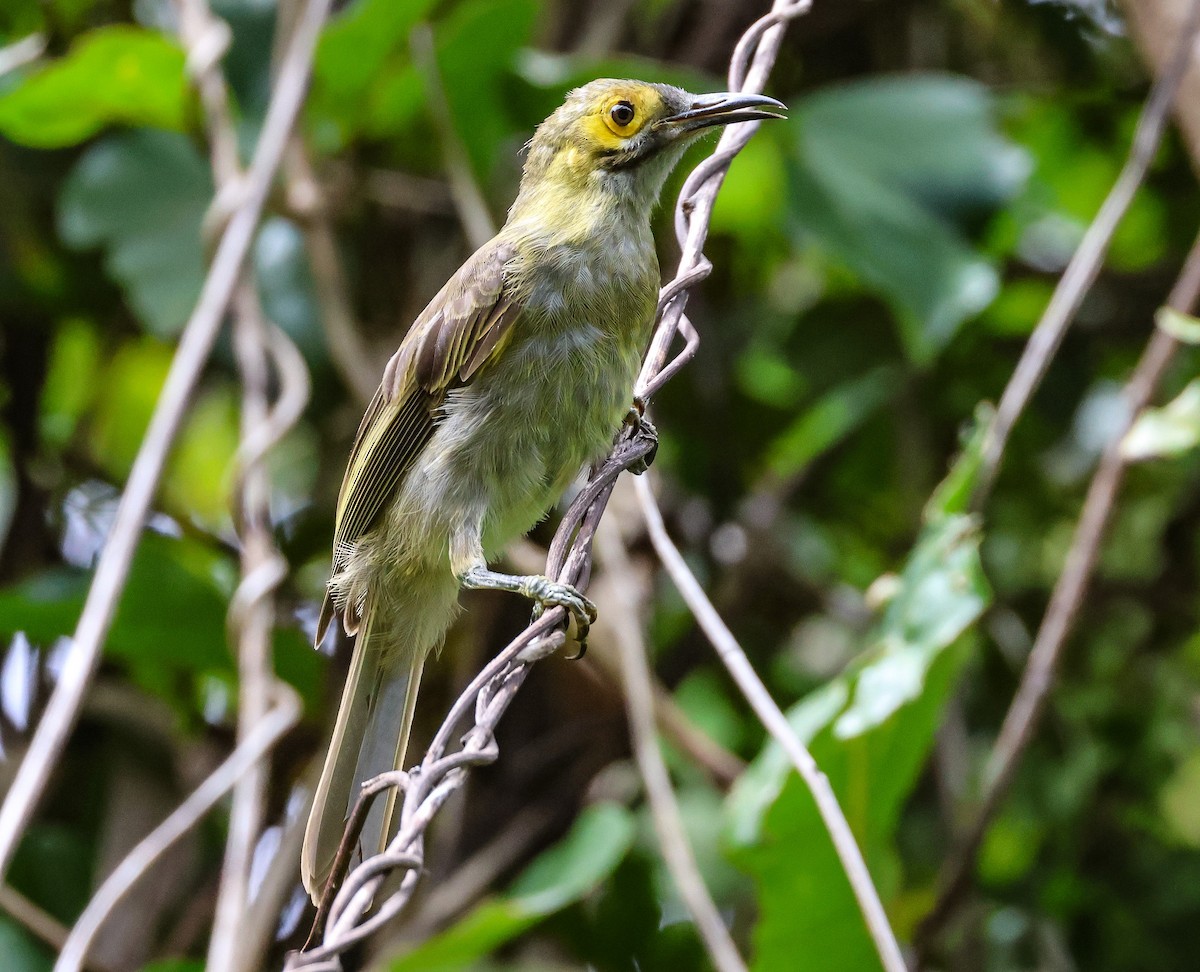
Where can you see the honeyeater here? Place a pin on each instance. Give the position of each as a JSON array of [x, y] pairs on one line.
[[518, 372]]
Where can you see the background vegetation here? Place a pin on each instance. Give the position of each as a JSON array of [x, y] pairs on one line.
[[880, 259]]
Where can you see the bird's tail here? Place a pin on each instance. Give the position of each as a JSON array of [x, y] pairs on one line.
[[369, 738]]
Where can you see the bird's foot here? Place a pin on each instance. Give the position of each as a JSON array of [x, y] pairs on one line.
[[643, 428], [544, 592]]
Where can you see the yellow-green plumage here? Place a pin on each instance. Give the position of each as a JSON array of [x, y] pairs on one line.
[[517, 373]]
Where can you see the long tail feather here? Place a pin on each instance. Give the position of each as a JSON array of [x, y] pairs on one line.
[[369, 738]]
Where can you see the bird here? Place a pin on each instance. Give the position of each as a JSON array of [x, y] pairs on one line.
[[516, 375]]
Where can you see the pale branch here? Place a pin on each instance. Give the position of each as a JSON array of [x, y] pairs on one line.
[[1086, 262], [776, 723], [112, 569], [1058, 623], [282, 716], [664, 808]]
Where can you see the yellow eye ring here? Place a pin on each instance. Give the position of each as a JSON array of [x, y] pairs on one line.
[[622, 114]]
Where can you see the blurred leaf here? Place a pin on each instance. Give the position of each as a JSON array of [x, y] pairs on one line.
[[355, 47], [833, 417], [596, 844], [71, 380], [942, 593], [172, 615], [199, 475], [476, 48], [52, 867], [953, 494], [112, 75], [1180, 801], [126, 396], [870, 732], [1168, 431], [885, 171], [1182, 327], [20, 951], [142, 196], [748, 203]]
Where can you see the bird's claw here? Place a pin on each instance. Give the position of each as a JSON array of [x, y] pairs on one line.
[[547, 594], [643, 428]]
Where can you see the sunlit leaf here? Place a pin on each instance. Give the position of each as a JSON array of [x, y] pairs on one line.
[[1168, 431], [112, 75], [1182, 327], [870, 731], [141, 196], [598, 841]]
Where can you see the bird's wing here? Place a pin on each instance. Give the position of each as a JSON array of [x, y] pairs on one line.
[[463, 327]]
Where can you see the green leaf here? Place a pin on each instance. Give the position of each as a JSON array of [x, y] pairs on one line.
[[953, 494], [870, 732], [112, 75], [475, 52], [358, 46], [141, 196], [885, 173], [563, 875], [20, 950], [172, 615], [833, 417], [1168, 431]]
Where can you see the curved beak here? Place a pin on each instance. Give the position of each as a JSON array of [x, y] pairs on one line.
[[724, 108]]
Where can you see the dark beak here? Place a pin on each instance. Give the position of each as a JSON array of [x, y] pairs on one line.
[[724, 108]]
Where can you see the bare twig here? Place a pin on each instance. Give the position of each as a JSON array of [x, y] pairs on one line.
[[279, 720], [664, 808], [342, 920], [771, 716], [112, 568], [1023, 714], [1087, 260]]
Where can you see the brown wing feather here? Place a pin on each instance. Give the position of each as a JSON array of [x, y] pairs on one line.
[[453, 338]]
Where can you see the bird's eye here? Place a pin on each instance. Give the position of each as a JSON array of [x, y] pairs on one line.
[[622, 113]]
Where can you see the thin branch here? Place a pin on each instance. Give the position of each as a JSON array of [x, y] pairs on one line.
[[1087, 260], [279, 720], [771, 716], [112, 569], [343, 921], [1058, 623], [664, 808]]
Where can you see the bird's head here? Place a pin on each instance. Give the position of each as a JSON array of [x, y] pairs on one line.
[[623, 137]]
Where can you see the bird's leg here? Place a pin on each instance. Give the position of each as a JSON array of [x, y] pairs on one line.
[[544, 592], [643, 427]]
